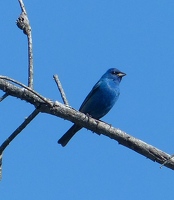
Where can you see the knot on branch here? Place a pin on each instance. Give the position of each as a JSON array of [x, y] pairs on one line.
[[23, 23]]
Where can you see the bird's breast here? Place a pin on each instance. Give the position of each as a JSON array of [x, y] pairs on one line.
[[102, 100]]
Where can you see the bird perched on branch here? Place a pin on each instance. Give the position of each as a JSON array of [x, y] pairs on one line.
[[99, 101]]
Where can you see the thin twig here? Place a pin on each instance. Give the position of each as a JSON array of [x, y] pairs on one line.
[[3, 97], [22, 6], [24, 24], [30, 60], [24, 86], [59, 85], [14, 134], [18, 130]]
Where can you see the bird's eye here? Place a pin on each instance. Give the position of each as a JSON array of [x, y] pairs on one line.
[[114, 72]]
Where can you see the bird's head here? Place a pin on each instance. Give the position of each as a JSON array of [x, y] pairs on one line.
[[114, 74]]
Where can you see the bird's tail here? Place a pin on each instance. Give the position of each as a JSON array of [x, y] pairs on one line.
[[68, 135]]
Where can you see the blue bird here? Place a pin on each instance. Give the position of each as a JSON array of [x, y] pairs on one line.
[[99, 101]]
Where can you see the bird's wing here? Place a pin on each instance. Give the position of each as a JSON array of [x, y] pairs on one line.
[[93, 91]]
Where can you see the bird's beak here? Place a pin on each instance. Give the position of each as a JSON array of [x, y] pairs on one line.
[[121, 74]]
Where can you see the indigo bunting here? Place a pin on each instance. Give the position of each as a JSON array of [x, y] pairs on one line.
[[99, 101]]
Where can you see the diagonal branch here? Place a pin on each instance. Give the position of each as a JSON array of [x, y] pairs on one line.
[[62, 93], [14, 134], [22, 6], [62, 111], [3, 97], [18, 130], [24, 86]]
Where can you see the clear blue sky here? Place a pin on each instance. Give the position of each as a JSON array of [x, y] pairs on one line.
[[79, 41]]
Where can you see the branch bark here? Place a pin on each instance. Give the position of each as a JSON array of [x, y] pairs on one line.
[[60, 110], [62, 93], [24, 24]]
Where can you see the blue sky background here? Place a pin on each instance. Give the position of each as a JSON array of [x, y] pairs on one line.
[[79, 41]]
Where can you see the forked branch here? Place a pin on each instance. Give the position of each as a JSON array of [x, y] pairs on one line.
[[99, 127]]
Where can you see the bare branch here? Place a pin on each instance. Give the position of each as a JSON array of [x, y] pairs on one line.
[[30, 60], [14, 134], [18, 130], [167, 160], [24, 24], [3, 97], [24, 86], [22, 6], [59, 85], [62, 111]]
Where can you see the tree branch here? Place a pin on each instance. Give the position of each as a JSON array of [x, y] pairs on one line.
[[24, 86], [3, 97], [22, 6], [24, 24], [62, 93], [14, 134], [62, 111], [18, 130]]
